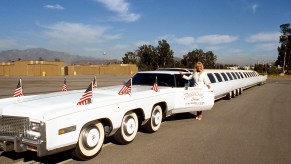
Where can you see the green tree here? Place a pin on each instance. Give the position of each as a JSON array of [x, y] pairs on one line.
[[272, 69], [207, 58], [147, 58], [130, 58], [284, 51], [165, 54]]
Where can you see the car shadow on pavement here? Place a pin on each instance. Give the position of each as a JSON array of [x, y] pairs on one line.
[[180, 116], [31, 157]]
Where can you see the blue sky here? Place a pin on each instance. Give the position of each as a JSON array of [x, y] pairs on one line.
[[237, 31]]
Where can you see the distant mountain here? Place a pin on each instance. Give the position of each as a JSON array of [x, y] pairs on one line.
[[44, 54], [177, 58]]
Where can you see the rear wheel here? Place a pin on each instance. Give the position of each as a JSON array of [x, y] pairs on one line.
[[128, 129], [90, 141], [154, 123], [229, 95], [241, 90], [237, 92]]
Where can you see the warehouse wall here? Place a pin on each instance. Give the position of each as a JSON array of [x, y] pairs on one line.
[[57, 68]]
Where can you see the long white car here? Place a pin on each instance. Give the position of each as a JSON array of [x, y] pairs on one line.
[[52, 123]]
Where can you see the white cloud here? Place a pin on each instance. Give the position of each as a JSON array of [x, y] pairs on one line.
[[54, 7], [141, 43], [267, 46], [216, 39], [119, 47], [184, 40], [122, 8], [77, 33], [7, 43], [254, 7], [264, 37]]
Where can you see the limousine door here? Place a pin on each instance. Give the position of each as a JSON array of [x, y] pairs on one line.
[[190, 99]]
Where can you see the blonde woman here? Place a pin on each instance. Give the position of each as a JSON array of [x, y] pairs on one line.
[[201, 80]]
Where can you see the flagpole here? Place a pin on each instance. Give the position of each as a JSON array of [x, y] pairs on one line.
[[131, 86]]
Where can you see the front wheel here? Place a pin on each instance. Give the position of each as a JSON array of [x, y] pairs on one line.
[[128, 129], [154, 123], [90, 141]]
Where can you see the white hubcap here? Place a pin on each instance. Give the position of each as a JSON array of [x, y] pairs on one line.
[[157, 118], [92, 137], [130, 126]]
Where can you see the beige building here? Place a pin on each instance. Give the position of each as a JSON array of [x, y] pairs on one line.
[[101, 69], [57, 68], [32, 68]]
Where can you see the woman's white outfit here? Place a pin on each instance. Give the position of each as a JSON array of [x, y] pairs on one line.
[[200, 79]]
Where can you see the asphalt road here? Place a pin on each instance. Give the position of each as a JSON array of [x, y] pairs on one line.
[[252, 128]]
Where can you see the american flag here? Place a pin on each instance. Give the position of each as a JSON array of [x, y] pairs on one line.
[[19, 89], [155, 85], [95, 83], [126, 88], [65, 85], [87, 96]]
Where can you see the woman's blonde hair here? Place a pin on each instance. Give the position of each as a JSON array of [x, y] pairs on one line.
[[198, 64]]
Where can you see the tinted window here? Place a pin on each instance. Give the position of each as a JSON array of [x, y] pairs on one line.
[[229, 76], [224, 76], [149, 79], [218, 77], [180, 81], [246, 75], [211, 78], [237, 75], [234, 75], [241, 75]]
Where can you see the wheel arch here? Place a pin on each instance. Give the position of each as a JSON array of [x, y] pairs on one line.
[[140, 114], [164, 107]]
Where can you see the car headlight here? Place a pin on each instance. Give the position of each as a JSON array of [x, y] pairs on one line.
[[34, 126]]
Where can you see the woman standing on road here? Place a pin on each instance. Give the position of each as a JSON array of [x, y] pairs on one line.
[[201, 80]]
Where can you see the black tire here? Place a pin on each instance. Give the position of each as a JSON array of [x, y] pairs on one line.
[[237, 92], [90, 142], [234, 93], [154, 123], [128, 129], [229, 95]]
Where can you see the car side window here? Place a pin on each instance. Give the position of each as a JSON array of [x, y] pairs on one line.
[[224, 76], [211, 77], [218, 77], [229, 76], [181, 82]]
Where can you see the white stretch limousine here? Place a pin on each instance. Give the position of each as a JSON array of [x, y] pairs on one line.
[[53, 122], [230, 83]]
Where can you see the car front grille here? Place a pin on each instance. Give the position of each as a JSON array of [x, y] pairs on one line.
[[13, 126]]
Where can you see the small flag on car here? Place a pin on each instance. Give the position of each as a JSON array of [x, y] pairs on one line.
[[95, 82], [155, 85], [87, 96], [126, 88], [65, 85], [19, 89]]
